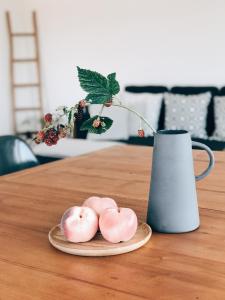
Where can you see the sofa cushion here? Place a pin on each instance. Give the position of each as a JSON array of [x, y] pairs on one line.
[[219, 108], [187, 112], [222, 91], [154, 89], [194, 90], [70, 148]]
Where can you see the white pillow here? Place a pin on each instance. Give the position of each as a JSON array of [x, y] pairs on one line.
[[219, 112], [119, 128], [188, 112], [148, 105]]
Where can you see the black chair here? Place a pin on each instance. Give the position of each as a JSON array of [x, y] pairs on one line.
[[15, 155]]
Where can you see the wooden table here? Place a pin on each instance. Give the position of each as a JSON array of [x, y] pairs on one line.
[[170, 266]]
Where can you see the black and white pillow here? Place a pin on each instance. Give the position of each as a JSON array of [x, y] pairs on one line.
[[188, 112], [219, 111]]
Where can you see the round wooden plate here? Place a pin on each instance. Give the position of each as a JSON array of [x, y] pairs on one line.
[[98, 246]]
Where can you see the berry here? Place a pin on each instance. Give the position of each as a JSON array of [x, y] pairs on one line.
[[141, 133], [48, 118], [55, 140], [51, 137], [52, 133], [108, 103], [82, 103], [62, 132], [96, 123], [40, 135], [48, 142], [37, 141]]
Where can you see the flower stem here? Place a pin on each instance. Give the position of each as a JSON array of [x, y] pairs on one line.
[[137, 114], [101, 110]]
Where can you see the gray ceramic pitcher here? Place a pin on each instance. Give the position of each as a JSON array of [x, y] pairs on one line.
[[173, 206]]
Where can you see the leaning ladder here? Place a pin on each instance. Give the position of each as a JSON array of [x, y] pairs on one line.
[[13, 60]]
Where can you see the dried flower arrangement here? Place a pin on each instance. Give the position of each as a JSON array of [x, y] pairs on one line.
[[101, 90]]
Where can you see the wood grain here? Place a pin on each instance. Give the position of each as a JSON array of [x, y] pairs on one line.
[[170, 266]]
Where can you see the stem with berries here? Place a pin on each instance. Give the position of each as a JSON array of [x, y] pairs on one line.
[[136, 113], [101, 90], [54, 129]]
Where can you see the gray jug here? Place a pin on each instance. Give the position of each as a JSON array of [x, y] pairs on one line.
[[173, 206]]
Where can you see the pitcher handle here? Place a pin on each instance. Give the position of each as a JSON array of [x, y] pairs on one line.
[[211, 160]]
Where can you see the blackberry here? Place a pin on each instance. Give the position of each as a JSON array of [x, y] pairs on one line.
[[51, 137]]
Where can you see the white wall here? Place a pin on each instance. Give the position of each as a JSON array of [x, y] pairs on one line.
[[144, 41]]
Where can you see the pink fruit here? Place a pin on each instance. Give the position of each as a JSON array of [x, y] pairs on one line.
[[100, 204], [118, 225], [79, 224]]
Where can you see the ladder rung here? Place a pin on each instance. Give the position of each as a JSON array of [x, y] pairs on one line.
[[21, 60], [25, 85], [27, 108], [22, 34]]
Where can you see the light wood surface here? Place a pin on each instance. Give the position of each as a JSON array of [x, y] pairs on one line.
[[98, 246], [171, 266]]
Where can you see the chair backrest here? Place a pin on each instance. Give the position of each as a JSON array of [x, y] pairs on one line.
[[15, 155]]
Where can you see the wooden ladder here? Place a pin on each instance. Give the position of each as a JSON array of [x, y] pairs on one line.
[[13, 60]]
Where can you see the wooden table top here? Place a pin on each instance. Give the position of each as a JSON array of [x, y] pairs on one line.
[[170, 266]]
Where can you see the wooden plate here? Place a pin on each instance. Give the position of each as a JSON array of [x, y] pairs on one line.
[[98, 246]]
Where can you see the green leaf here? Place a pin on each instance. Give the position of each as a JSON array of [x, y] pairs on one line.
[[99, 88], [93, 82], [88, 125], [114, 86], [98, 98]]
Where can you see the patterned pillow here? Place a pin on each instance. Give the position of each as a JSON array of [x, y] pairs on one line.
[[219, 111], [188, 112]]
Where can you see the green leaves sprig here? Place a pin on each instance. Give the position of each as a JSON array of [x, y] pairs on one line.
[[100, 89]]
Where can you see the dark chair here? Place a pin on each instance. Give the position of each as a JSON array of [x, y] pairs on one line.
[[15, 155]]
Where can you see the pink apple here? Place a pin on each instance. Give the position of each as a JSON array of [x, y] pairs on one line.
[[118, 225], [100, 204], [79, 224]]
